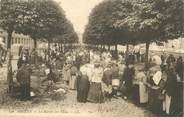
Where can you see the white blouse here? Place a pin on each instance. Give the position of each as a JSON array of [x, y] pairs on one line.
[[96, 75]]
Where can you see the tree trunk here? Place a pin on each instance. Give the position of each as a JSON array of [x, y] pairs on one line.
[[146, 56], [126, 53], [72, 46], [60, 47], [109, 47], [4, 55], [9, 65], [127, 47], [101, 47], [48, 51], [63, 48], [35, 43], [116, 51]]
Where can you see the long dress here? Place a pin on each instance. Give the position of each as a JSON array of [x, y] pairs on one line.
[[23, 77], [66, 73], [128, 78], [107, 82], [72, 80], [141, 93], [95, 91], [154, 91], [171, 93], [82, 88]]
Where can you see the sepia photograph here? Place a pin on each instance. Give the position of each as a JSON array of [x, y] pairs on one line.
[[91, 58]]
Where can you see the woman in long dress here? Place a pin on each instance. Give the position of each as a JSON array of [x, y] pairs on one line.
[[127, 81], [82, 87], [66, 73], [83, 83], [155, 103], [107, 82], [171, 92], [95, 92], [140, 89], [72, 80]]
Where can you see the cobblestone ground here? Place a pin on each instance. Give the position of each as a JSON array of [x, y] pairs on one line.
[[114, 108]]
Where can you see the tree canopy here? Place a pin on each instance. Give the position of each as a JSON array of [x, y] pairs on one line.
[[46, 20], [102, 27], [135, 21], [40, 19], [154, 20], [68, 34]]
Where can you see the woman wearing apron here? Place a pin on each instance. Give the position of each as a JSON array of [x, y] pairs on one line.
[[95, 92]]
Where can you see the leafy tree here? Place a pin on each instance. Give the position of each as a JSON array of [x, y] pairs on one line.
[[104, 21], [154, 21], [98, 28], [9, 19], [135, 22], [43, 19], [68, 35]]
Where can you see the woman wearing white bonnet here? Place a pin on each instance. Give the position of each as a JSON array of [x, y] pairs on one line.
[[95, 92]]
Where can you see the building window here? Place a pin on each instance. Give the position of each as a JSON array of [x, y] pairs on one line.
[[15, 41], [18, 40]]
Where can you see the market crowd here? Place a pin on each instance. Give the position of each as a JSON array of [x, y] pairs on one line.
[[98, 76]]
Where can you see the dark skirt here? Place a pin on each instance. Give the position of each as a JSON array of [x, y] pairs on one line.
[[135, 95], [155, 104], [82, 88], [95, 93], [25, 92]]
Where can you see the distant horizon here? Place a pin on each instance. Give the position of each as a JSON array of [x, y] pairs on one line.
[[77, 11]]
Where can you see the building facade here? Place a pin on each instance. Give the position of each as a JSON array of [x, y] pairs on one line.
[[176, 44], [17, 41]]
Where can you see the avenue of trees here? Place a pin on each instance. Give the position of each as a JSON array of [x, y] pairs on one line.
[[42, 20], [134, 22]]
